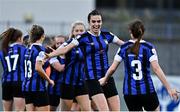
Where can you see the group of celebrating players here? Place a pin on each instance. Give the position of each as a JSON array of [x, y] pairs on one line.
[[80, 77]]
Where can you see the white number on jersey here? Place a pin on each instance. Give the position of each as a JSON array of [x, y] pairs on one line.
[[15, 57], [28, 69], [138, 73]]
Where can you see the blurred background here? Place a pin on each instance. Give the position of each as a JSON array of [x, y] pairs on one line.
[[161, 19]]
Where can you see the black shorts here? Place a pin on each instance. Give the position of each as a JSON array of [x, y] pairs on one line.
[[110, 88], [136, 102], [54, 100], [94, 87], [70, 91], [37, 98], [12, 89]]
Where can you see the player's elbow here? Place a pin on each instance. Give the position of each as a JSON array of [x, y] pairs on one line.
[[61, 68], [37, 68]]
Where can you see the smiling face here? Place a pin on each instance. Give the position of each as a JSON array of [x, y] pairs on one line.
[[78, 29], [95, 24]]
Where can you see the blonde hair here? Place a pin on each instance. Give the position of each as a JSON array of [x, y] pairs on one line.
[[74, 24]]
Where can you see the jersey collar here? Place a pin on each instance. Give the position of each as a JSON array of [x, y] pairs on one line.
[[93, 34], [14, 44], [133, 41], [39, 44]]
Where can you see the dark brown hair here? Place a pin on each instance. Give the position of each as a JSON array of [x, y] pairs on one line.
[[93, 13], [35, 33], [9, 36], [137, 30]]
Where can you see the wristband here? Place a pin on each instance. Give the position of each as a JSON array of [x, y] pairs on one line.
[[75, 42]]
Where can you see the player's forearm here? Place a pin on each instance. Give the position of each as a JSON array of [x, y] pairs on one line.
[[109, 73], [57, 66], [58, 52], [120, 42], [112, 69], [160, 74], [41, 72], [61, 51]]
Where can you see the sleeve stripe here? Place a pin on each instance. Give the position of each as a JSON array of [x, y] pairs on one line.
[[152, 58], [118, 58], [53, 60], [115, 39]]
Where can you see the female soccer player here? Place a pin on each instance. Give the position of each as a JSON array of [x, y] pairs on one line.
[[34, 85], [138, 55], [12, 59], [73, 85], [94, 45], [57, 65], [77, 28]]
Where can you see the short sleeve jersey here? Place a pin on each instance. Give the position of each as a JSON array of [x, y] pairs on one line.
[[95, 52], [33, 81], [13, 63], [137, 78]]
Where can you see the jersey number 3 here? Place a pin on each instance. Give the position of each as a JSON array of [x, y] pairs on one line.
[[138, 70]]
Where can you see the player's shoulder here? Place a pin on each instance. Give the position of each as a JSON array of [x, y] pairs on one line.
[[106, 32], [147, 44], [18, 45], [83, 36], [22, 46], [37, 48], [126, 44]]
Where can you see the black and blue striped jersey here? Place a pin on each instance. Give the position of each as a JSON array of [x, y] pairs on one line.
[[13, 63], [137, 78], [74, 67], [33, 81], [95, 51], [56, 76]]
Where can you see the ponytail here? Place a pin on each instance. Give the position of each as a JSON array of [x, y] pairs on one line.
[[135, 47], [137, 30], [9, 36]]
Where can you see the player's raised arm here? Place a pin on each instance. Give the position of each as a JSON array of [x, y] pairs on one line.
[[63, 50]]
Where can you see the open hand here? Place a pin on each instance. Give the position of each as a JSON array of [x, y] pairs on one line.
[[174, 94]]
